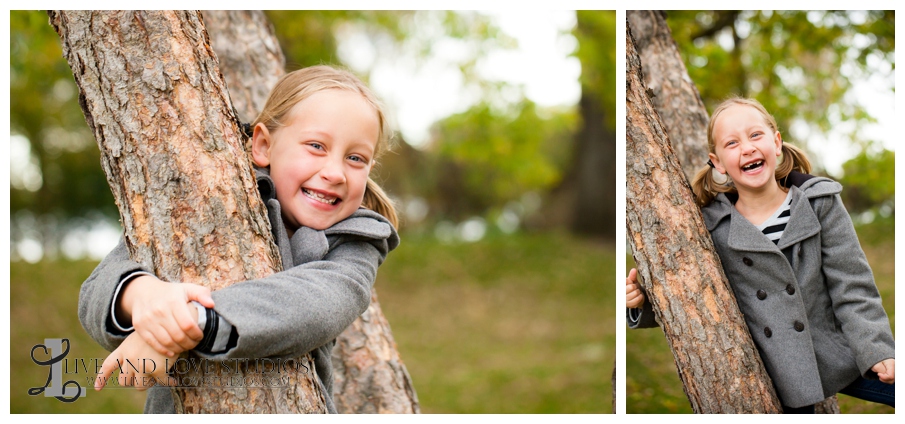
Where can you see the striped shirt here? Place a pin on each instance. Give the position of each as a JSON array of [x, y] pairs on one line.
[[774, 226]]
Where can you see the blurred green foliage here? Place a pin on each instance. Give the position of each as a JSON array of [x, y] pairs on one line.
[[596, 35], [516, 324], [503, 154], [800, 65], [870, 181]]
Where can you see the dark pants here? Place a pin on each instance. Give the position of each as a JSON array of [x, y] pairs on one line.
[[869, 390]]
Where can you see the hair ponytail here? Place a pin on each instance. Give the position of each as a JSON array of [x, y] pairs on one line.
[[705, 188], [793, 159], [376, 200]]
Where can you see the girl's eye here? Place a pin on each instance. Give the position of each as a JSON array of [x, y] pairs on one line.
[[755, 135], [316, 145], [356, 158]]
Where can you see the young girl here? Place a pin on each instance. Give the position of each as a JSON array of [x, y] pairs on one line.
[[793, 260], [314, 144]]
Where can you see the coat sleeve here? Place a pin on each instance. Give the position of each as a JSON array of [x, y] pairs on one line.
[[642, 317], [850, 283], [295, 311], [96, 296]]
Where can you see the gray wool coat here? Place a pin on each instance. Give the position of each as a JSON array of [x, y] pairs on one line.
[[326, 284], [810, 302]]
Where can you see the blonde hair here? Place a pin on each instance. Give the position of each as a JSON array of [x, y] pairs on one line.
[[793, 158], [298, 85]]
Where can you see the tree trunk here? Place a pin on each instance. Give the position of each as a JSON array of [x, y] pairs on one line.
[[677, 101], [151, 91], [369, 374], [717, 361], [672, 92]]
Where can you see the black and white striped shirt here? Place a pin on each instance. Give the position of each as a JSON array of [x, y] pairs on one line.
[[774, 226]]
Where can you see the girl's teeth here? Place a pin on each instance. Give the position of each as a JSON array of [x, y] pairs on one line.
[[319, 197]]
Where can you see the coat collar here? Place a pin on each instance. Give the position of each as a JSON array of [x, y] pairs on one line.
[[362, 223], [745, 236]]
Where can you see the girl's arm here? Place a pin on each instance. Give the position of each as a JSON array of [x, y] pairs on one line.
[[850, 282], [120, 288], [300, 309], [286, 314]]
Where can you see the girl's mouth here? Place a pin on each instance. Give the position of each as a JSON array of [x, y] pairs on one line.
[[753, 165], [320, 197]]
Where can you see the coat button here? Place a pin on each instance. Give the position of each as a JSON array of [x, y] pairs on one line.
[[790, 289], [747, 261], [799, 327], [761, 294], [768, 332]]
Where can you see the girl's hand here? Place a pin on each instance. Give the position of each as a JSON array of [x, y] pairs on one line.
[[886, 370], [139, 365], [162, 315], [634, 297]]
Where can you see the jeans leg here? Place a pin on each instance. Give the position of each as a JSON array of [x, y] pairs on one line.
[[872, 391]]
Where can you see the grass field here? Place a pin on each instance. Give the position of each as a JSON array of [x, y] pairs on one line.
[[652, 383], [515, 324]]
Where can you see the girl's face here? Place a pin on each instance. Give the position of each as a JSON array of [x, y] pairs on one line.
[[746, 148], [320, 161]]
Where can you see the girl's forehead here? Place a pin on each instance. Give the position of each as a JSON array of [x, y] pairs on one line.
[[738, 114]]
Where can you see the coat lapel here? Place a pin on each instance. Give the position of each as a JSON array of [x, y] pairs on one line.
[[744, 236], [803, 222]]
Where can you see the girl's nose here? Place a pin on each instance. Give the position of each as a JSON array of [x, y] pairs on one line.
[[332, 172]]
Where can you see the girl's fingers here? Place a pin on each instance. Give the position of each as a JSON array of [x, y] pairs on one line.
[[151, 340], [110, 364], [633, 275]]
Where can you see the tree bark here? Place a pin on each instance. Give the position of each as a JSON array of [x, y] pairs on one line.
[[370, 376], [152, 93], [672, 92], [716, 358], [677, 101]]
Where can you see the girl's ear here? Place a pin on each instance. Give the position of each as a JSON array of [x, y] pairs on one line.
[[261, 142], [777, 138], [716, 163]]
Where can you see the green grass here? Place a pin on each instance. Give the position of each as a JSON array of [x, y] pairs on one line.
[[524, 323], [653, 386]]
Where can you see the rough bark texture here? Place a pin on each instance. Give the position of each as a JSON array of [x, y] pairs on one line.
[[672, 92], [717, 361], [250, 56], [151, 91], [370, 377], [829, 405], [677, 101]]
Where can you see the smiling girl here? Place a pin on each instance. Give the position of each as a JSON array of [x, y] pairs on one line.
[[313, 145], [790, 252]]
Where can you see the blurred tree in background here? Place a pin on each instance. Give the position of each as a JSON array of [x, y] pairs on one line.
[[803, 67], [504, 156]]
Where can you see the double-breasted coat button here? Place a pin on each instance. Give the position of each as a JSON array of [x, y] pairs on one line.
[[747, 261], [761, 294], [768, 332], [790, 289], [799, 327]]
